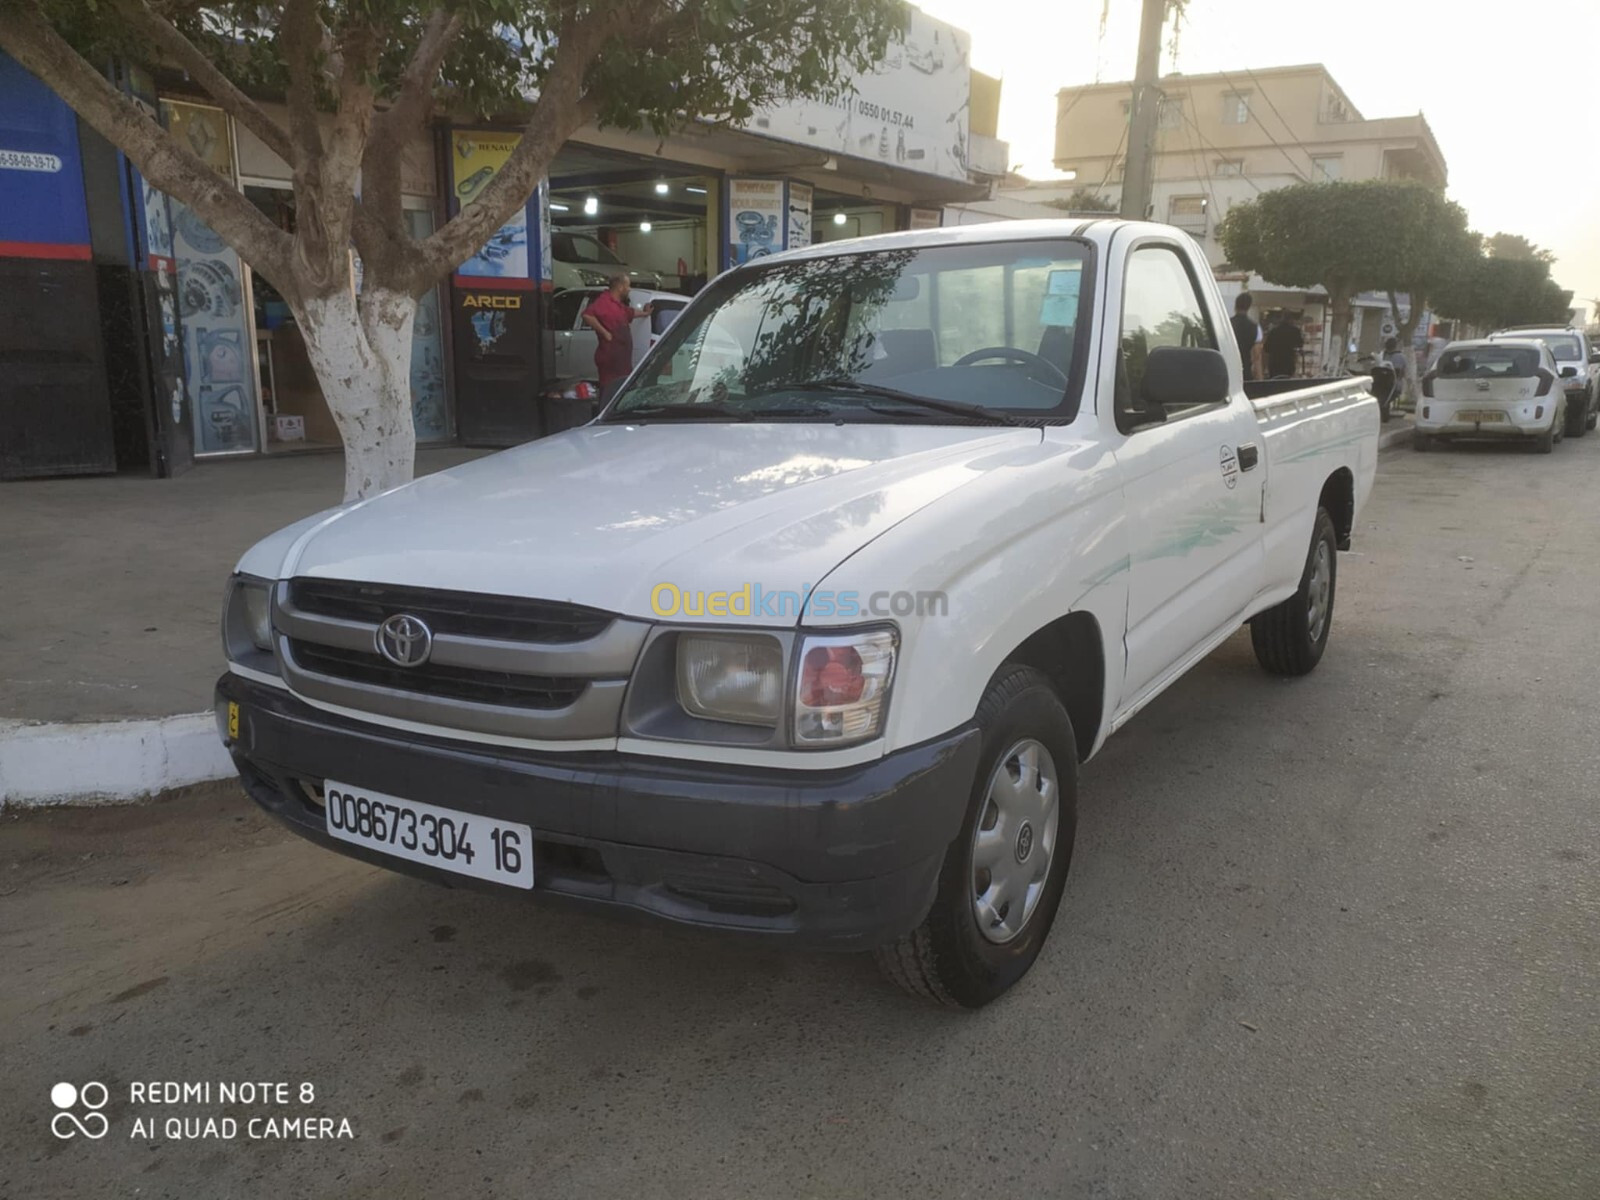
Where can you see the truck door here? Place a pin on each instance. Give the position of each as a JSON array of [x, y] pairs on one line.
[[1193, 509]]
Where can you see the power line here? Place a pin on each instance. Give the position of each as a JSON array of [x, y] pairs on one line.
[[1267, 96], [1254, 186], [1251, 112], [1112, 165]]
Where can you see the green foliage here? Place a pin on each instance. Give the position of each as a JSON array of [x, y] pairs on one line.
[[1495, 291], [1380, 235], [714, 58], [1514, 245], [1083, 199]]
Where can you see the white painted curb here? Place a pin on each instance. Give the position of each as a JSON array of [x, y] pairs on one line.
[[107, 762]]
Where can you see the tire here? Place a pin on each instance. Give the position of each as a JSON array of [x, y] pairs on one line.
[[1287, 637], [949, 959], [1577, 419], [1545, 443]]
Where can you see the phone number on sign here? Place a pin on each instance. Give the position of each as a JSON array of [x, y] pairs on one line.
[[890, 116]]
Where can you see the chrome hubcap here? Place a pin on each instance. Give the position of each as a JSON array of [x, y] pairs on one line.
[[1318, 591], [1015, 840]]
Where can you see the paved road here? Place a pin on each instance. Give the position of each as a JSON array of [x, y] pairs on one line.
[[1326, 938]]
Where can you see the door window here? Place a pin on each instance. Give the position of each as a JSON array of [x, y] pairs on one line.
[[1160, 307], [565, 307]]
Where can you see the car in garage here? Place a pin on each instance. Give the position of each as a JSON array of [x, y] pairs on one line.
[[579, 259], [576, 342], [1578, 365], [1500, 388]]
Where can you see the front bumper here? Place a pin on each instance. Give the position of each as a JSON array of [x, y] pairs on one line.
[[845, 858]]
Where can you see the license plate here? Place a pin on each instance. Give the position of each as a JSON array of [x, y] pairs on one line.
[[1486, 417], [466, 843]]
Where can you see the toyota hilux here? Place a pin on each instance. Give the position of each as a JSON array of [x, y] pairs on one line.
[[807, 634]]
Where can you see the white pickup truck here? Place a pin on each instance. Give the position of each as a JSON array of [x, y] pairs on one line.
[[806, 635]]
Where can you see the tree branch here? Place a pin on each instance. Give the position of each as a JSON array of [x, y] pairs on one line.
[[561, 110], [185, 54], [160, 157]]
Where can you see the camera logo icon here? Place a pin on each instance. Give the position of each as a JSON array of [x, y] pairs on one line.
[[67, 1098]]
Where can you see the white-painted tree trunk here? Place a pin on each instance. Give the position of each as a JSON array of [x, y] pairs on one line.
[[360, 348]]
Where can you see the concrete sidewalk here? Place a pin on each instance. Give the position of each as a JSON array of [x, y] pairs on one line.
[[110, 592]]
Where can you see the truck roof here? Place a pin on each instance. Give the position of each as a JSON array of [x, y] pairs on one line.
[[1097, 229]]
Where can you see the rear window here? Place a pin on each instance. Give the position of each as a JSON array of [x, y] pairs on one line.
[[663, 315], [1488, 362]]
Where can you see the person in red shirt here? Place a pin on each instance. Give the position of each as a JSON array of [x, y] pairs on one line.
[[611, 316]]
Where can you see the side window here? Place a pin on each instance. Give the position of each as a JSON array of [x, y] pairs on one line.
[[1160, 307]]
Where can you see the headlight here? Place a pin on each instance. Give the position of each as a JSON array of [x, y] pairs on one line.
[[247, 618], [731, 678], [842, 688], [594, 278]]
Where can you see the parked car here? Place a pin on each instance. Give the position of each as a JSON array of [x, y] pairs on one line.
[[807, 634], [1578, 364], [1500, 388], [580, 260], [576, 342]]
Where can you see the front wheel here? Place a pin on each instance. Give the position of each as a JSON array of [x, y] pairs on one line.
[[1003, 876], [1289, 638]]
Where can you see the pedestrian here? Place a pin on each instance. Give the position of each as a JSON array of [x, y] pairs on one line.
[[1248, 334], [1282, 345], [611, 316]]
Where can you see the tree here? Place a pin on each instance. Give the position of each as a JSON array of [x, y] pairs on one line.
[[1083, 199], [1373, 235], [1514, 245], [362, 78], [1494, 292]]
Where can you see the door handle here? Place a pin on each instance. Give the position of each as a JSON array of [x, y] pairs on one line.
[[1249, 456]]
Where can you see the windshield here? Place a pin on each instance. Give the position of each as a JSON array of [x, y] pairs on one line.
[[939, 333], [1566, 349], [575, 248], [1488, 362]]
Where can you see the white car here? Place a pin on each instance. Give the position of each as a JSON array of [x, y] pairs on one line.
[[1501, 388], [579, 259], [576, 342], [806, 635], [1579, 368]]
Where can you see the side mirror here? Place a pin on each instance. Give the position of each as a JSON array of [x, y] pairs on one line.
[[1569, 372], [1182, 377]]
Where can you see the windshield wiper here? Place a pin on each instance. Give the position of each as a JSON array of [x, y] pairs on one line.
[[854, 387], [682, 412]]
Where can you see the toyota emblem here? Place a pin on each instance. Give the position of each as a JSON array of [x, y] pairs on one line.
[[404, 640]]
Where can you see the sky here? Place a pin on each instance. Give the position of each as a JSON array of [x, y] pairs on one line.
[[1510, 90]]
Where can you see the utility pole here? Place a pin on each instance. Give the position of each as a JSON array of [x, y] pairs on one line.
[[1143, 112]]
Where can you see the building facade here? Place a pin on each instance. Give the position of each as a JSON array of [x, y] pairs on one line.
[[180, 352], [1226, 137]]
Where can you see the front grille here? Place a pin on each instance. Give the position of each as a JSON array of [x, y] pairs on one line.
[[464, 613], [452, 683], [498, 665]]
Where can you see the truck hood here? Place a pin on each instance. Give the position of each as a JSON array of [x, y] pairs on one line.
[[602, 515]]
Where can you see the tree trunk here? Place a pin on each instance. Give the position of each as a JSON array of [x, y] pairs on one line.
[[360, 349], [1340, 339], [1408, 332]]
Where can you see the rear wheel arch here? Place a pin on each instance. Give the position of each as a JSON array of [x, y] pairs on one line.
[[1070, 651], [1339, 498]]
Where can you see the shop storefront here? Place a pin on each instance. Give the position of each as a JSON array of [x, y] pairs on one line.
[[499, 353]]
